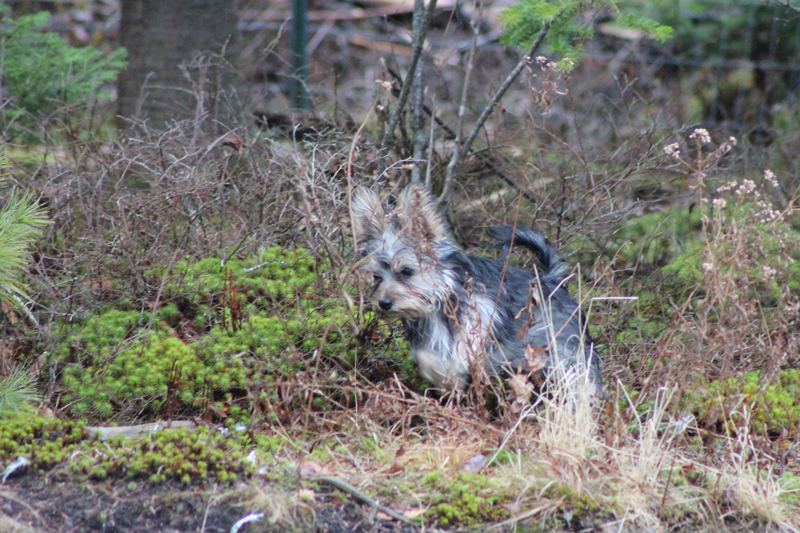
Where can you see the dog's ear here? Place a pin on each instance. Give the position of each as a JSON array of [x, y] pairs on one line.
[[369, 218], [418, 212]]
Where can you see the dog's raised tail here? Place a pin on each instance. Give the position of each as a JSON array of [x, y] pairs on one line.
[[553, 268]]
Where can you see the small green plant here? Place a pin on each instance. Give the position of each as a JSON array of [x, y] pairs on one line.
[[44, 74], [22, 221], [18, 391]]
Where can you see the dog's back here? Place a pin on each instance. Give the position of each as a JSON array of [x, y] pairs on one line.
[[557, 324]]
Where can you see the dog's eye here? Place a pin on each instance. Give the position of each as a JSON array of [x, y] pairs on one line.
[[377, 278], [406, 272]]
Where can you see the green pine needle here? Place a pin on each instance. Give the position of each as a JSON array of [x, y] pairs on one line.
[[18, 391], [22, 221]]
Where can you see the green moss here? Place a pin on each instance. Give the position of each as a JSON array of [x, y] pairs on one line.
[[217, 332], [98, 335], [773, 406], [142, 376], [45, 442], [278, 277], [656, 238], [653, 238], [169, 314], [468, 499], [167, 455]]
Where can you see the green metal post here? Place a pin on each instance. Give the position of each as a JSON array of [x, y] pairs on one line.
[[299, 55]]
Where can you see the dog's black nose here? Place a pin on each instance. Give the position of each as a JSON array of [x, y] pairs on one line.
[[385, 304]]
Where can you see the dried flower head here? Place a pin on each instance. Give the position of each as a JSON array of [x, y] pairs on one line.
[[702, 136], [769, 177], [385, 85], [673, 150], [747, 187]]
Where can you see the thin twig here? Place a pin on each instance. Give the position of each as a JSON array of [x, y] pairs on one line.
[[462, 106], [418, 136], [418, 41], [211, 499], [666, 486], [460, 153], [11, 497], [450, 134], [357, 494], [431, 148]]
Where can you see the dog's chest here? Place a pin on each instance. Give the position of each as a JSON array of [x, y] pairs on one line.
[[443, 346]]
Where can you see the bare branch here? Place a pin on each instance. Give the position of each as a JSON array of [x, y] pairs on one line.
[[418, 39], [418, 122], [449, 133], [460, 153]]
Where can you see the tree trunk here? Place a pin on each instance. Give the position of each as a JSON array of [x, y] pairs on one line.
[[180, 56]]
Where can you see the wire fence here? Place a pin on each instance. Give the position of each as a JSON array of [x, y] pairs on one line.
[[743, 56]]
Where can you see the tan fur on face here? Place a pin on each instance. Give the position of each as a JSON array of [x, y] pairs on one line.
[[419, 215], [369, 218]]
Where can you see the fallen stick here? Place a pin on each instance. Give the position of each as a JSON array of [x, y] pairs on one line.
[[358, 495]]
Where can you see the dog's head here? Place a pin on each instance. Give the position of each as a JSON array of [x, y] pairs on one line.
[[400, 251]]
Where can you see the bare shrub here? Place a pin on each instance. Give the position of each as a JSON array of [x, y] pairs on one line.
[[738, 282]]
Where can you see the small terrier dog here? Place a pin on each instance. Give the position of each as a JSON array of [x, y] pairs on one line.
[[459, 309]]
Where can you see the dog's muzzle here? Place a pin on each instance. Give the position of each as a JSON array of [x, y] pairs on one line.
[[385, 304]]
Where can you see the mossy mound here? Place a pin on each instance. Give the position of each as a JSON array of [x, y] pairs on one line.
[[141, 376], [277, 278], [774, 407], [168, 455], [468, 499], [757, 246], [217, 333], [44, 442], [651, 239]]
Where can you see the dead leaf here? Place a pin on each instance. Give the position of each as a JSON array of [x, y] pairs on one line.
[[520, 386], [521, 390], [306, 495], [234, 141], [312, 468], [536, 358], [411, 514], [220, 412], [45, 412]]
